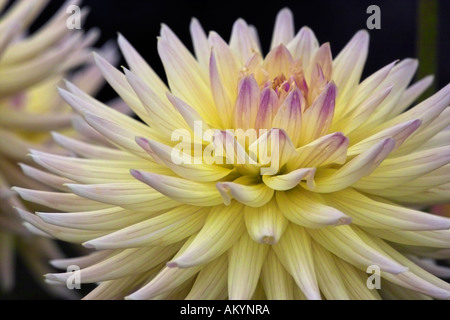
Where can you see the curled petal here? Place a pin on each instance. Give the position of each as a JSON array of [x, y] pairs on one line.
[[266, 224], [252, 195], [291, 180]]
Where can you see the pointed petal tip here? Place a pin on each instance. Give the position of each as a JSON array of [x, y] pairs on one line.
[[172, 265], [22, 213], [121, 38], [137, 174], [22, 193], [142, 142], [306, 29], [363, 33], [89, 245], [285, 12], [55, 264], [51, 277]]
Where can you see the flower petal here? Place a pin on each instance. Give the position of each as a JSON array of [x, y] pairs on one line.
[[90, 171], [289, 116], [295, 253], [165, 281], [284, 28], [131, 195], [369, 212], [277, 282], [60, 233], [278, 61], [291, 180], [140, 67], [331, 180], [60, 201], [211, 282], [241, 41], [267, 109], [355, 281], [309, 209], [125, 263], [304, 46], [321, 152], [344, 242], [266, 224], [411, 94], [45, 178], [182, 190], [105, 219], [90, 151], [165, 229], [188, 168], [200, 41], [248, 193], [349, 64], [316, 120], [400, 170], [399, 133], [331, 283], [245, 260], [223, 227], [247, 104]]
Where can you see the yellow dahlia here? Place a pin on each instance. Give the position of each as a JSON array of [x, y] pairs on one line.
[[350, 163], [31, 66]]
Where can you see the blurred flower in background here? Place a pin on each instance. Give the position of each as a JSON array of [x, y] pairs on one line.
[[353, 162], [31, 67]]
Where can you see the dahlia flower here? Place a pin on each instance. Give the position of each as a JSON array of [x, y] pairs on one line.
[[30, 107], [351, 163]]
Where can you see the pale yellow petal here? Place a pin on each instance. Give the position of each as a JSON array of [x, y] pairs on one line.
[[266, 224], [245, 260], [309, 209], [223, 227], [295, 253], [277, 282]]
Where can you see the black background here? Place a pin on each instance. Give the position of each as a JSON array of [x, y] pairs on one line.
[[333, 21]]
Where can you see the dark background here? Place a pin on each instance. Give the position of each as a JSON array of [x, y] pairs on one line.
[[335, 21]]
